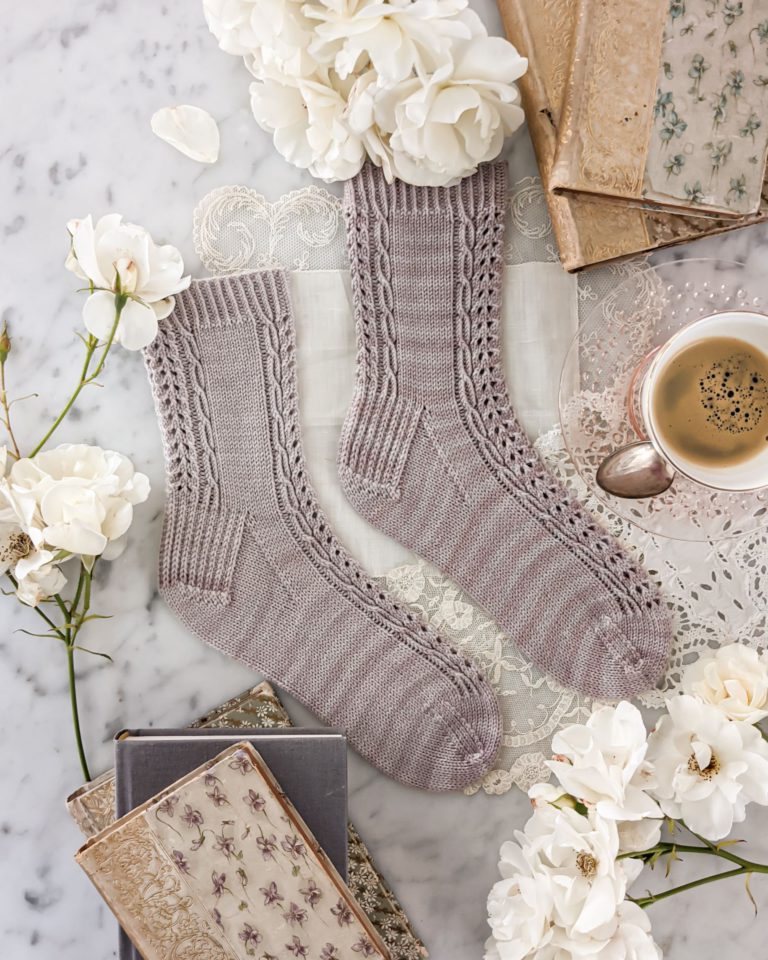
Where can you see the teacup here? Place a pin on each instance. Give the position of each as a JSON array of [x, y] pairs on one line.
[[747, 327]]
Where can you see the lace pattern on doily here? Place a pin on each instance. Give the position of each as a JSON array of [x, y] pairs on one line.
[[714, 591]]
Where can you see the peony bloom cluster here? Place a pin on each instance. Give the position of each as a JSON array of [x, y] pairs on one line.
[[417, 86], [73, 500], [565, 877]]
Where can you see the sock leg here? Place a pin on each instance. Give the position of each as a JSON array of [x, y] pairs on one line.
[[432, 453], [249, 564]]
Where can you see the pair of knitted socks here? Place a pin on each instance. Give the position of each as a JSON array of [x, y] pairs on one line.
[[431, 453]]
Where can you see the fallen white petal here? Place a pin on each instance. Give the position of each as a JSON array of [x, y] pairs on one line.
[[191, 130]]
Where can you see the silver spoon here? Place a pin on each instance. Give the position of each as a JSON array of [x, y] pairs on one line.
[[635, 471]]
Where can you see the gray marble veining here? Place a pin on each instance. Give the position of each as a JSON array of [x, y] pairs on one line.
[[79, 84]]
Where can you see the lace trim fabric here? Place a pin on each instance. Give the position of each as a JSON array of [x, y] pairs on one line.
[[716, 592]]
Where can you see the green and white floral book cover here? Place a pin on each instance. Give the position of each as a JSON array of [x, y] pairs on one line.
[[236, 875], [666, 105]]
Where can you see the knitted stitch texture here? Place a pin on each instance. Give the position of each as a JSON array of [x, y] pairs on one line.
[[248, 563], [432, 454]]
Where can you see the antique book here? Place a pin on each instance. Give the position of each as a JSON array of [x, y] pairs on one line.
[[220, 865], [311, 766], [587, 231], [92, 807], [665, 105]]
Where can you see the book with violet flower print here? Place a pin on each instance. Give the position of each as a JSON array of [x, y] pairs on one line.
[[238, 875]]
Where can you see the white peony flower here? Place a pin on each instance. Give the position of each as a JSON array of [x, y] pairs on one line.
[[230, 22], [708, 767], [733, 678], [602, 763], [433, 130], [115, 257], [75, 498], [272, 35], [306, 119], [395, 38]]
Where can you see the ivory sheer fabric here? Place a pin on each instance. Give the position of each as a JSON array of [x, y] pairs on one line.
[[715, 591]]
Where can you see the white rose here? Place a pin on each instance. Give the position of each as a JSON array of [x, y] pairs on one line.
[[579, 854], [734, 679], [122, 258], [76, 498], [306, 118], [396, 38], [630, 939], [520, 905], [33, 568], [602, 763], [40, 581], [433, 130], [708, 767]]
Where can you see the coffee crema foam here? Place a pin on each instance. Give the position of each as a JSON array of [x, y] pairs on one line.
[[710, 402]]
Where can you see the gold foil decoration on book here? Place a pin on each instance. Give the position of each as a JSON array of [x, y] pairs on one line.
[[593, 230], [665, 104], [92, 807], [221, 865]]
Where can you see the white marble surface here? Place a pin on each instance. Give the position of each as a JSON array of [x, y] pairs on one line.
[[79, 84]]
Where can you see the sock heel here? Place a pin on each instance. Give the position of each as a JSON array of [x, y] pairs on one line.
[[199, 548], [375, 442]]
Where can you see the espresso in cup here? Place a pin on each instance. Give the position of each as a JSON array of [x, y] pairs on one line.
[[710, 402], [705, 400]]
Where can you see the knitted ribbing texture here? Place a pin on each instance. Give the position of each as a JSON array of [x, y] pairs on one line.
[[248, 562], [432, 454]]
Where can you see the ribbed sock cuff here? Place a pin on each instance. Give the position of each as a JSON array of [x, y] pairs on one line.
[[369, 193], [221, 301]]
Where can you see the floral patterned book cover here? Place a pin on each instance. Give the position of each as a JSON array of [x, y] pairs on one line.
[[589, 229], [237, 875], [666, 105]]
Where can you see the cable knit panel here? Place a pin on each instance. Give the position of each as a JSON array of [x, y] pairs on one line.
[[249, 562], [468, 491]]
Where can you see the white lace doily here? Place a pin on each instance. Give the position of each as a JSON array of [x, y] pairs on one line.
[[714, 592]]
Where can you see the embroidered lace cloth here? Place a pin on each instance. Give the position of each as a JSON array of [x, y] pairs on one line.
[[715, 591]]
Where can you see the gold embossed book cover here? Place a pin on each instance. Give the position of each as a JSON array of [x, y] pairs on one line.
[[666, 105], [221, 866], [587, 230]]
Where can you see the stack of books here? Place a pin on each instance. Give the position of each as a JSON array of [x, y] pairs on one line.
[[230, 840], [220, 864], [648, 118]]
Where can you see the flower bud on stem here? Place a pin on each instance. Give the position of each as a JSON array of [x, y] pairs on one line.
[[5, 349]]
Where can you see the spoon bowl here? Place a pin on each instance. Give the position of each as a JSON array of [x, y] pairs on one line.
[[635, 471]]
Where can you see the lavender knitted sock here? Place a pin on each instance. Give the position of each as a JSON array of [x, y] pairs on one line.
[[248, 563], [431, 452]]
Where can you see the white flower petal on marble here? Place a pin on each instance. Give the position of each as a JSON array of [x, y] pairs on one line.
[[191, 130]]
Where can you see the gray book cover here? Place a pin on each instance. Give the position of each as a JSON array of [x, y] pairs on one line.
[[310, 765]]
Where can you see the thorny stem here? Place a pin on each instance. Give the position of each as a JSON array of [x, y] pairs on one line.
[[86, 377], [67, 633], [655, 897], [75, 714], [743, 867]]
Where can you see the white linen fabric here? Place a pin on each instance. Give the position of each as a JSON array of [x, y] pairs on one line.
[[237, 229]]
